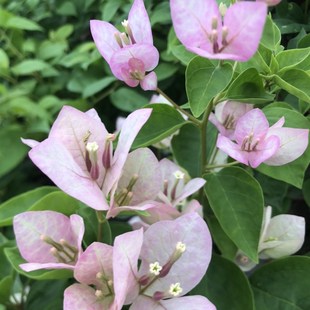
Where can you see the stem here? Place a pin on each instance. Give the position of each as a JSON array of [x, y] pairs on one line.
[[203, 143], [214, 153], [210, 167], [104, 228], [177, 107]]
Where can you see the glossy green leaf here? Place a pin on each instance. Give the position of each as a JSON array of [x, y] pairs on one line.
[[293, 172], [227, 248], [291, 58], [163, 122], [295, 82], [4, 60], [236, 199], [180, 52], [15, 259], [46, 294], [95, 87], [109, 9], [204, 81], [21, 203], [23, 23], [226, 286], [271, 37], [29, 66], [186, 147], [282, 284], [165, 70], [57, 201], [306, 191], [12, 150], [128, 100], [248, 87]]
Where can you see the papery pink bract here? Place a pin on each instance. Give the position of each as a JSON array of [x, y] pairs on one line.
[[63, 155], [131, 54], [110, 270], [183, 303], [270, 2], [199, 26], [30, 227], [226, 115], [257, 143], [252, 147], [160, 242]]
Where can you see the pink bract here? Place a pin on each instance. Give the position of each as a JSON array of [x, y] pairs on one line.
[[202, 30], [64, 155], [130, 54], [257, 143], [39, 234]]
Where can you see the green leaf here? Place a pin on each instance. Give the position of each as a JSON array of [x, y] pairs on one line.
[[306, 191], [109, 9], [282, 284], [50, 49], [291, 58], [21, 203], [236, 199], [128, 100], [186, 147], [271, 37], [227, 248], [23, 23], [97, 86], [47, 295], [12, 150], [15, 259], [204, 82], [163, 122], [67, 9], [180, 52], [161, 14], [293, 172], [62, 32], [165, 70], [226, 286], [56, 201], [248, 87], [295, 82], [29, 66], [4, 60]]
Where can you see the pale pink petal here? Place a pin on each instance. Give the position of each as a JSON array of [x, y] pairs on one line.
[[160, 212], [126, 252], [103, 34], [293, 143], [130, 129], [139, 23], [179, 303], [160, 242], [245, 22], [36, 266], [143, 164], [265, 150], [78, 229], [208, 53], [30, 226], [253, 123], [96, 258], [190, 188], [278, 124], [288, 233], [79, 296], [149, 82], [192, 21], [57, 163], [72, 127], [193, 206], [146, 53], [30, 142], [217, 123], [232, 149], [115, 210], [270, 2]]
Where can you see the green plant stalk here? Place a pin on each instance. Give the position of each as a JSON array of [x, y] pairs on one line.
[[104, 228], [177, 107]]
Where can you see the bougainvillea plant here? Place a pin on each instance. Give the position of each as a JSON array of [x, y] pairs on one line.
[[171, 207]]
